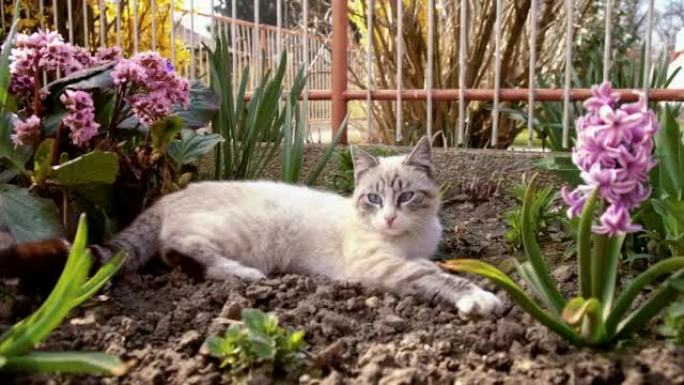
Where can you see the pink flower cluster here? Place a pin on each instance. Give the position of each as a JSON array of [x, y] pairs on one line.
[[80, 117], [26, 132], [154, 88], [46, 51], [614, 154]]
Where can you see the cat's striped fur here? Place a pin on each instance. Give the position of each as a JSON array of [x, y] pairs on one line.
[[381, 236]]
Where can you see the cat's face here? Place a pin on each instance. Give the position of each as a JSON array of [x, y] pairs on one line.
[[396, 195]]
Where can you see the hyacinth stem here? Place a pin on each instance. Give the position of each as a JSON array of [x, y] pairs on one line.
[[605, 273], [529, 238], [584, 266], [624, 301]]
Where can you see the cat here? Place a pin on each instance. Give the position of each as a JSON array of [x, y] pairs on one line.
[[381, 236]]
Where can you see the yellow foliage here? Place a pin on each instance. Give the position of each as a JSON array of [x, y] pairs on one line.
[[161, 23]]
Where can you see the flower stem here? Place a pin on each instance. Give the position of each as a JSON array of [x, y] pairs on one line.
[[584, 246]]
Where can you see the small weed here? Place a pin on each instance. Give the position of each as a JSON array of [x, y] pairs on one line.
[[257, 341], [542, 211]]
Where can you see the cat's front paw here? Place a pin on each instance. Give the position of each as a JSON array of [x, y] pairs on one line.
[[478, 302]]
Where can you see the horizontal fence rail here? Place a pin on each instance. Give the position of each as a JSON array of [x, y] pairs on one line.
[[332, 61]]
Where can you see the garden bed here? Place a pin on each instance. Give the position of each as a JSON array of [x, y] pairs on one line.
[[159, 320]]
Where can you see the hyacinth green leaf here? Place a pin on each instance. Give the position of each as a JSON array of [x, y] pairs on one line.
[[574, 311], [606, 270], [486, 270], [670, 153], [624, 301], [21, 338], [532, 251], [67, 362], [527, 272], [101, 277], [584, 245], [29, 217], [663, 296], [92, 168]]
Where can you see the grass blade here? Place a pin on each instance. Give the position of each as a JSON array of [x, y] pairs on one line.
[[101, 277], [327, 154]]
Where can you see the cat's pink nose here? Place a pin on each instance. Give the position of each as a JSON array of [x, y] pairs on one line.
[[390, 220]]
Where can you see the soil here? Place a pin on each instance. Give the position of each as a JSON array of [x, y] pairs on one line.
[[158, 320]]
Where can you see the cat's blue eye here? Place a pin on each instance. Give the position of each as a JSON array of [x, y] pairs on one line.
[[405, 196], [374, 199]]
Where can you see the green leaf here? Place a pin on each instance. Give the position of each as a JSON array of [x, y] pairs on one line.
[[634, 288], [42, 161], [254, 319], [3, 360], [192, 146], [92, 168], [93, 78], [529, 237], [327, 154], [215, 346], [30, 218], [16, 156], [33, 329], [262, 345], [5, 59], [164, 131], [670, 153], [101, 277], [66, 362], [486, 270], [202, 108]]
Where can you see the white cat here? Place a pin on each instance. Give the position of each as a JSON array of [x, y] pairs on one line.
[[381, 236]]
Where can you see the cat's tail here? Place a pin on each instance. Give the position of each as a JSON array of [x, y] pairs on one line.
[[140, 241]]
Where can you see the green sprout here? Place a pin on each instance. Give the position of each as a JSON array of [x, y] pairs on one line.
[[673, 324], [257, 340], [73, 288], [541, 210]]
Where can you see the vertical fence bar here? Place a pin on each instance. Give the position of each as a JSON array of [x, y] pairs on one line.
[[647, 50], [400, 69], [430, 64], [136, 31], [103, 24], [369, 68], [256, 42], [153, 24], [305, 105], [70, 15], [568, 73], [607, 40], [118, 23], [41, 10], [279, 23], [497, 73], [233, 43], [55, 19], [173, 31], [462, 73], [214, 22], [532, 78], [339, 66], [85, 24], [192, 39]]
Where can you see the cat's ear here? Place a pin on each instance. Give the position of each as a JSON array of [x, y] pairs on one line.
[[421, 156], [362, 161]]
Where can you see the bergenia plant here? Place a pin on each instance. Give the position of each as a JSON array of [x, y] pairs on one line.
[[614, 153], [93, 131]]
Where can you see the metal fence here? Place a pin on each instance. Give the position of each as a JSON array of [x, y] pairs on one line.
[[327, 59]]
